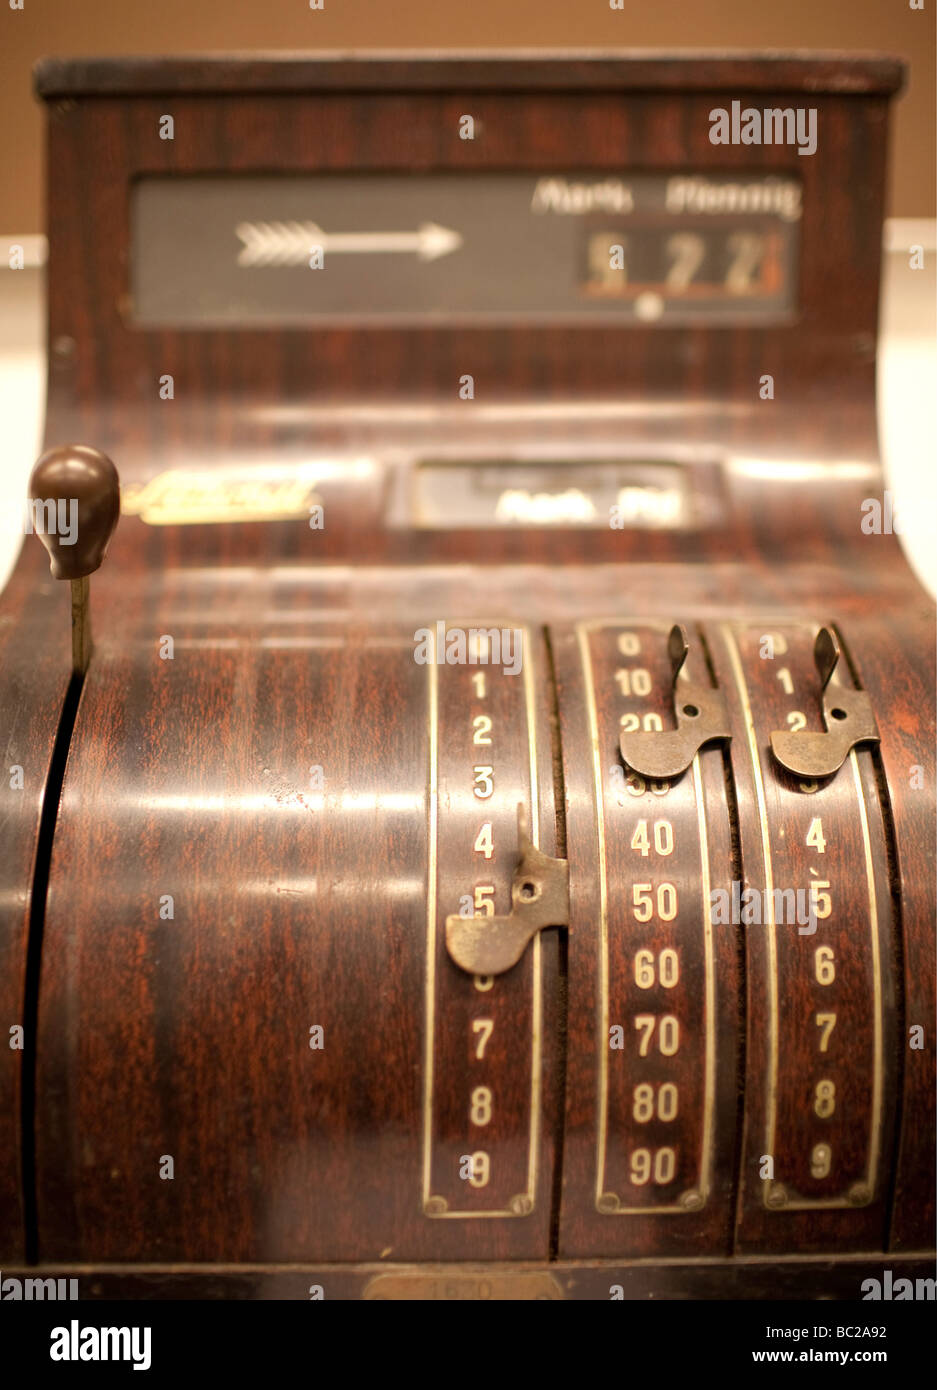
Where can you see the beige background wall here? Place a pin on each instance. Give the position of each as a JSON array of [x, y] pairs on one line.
[[67, 27]]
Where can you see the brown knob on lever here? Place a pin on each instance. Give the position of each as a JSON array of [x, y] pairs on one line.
[[74, 493]]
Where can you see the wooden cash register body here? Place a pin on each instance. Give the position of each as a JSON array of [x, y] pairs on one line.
[[262, 834]]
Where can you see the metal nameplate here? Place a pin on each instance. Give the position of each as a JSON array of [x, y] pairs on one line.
[[454, 1288]]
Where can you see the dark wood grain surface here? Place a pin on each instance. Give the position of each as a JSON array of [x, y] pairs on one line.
[[35, 669], [598, 131], [583, 70], [173, 757]]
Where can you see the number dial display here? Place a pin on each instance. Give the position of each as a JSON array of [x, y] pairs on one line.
[[484, 1073], [464, 246], [820, 1084], [650, 1113], [714, 265]]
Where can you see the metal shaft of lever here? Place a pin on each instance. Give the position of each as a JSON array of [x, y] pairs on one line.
[[825, 655], [81, 624]]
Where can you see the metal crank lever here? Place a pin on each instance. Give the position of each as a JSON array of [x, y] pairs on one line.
[[701, 715], [539, 898], [847, 716]]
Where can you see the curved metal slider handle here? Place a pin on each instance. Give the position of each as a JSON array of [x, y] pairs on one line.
[[847, 718], [539, 898], [701, 715]]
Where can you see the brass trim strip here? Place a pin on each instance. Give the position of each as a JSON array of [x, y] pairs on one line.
[[537, 1002], [585, 654], [709, 1085], [771, 1103], [878, 1079], [432, 804]]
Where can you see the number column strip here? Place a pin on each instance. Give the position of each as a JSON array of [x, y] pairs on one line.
[[432, 936], [793, 1202], [709, 1067]]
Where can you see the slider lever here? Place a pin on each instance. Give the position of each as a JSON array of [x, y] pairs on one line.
[[75, 496], [701, 715], [847, 715], [539, 898]]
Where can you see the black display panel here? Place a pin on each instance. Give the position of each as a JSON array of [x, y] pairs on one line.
[[445, 248]]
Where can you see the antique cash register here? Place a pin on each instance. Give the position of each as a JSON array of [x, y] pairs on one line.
[[482, 846]]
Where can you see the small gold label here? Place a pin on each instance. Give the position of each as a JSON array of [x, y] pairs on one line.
[[464, 1287], [206, 496]]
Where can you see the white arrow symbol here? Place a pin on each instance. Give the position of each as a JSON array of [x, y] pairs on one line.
[[292, 243]]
